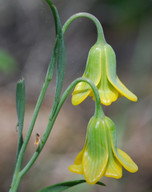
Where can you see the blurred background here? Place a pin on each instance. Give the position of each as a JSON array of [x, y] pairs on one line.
[[26, 40]]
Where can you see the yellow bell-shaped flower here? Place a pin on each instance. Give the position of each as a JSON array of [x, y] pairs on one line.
[[101, 69], [100, 155]]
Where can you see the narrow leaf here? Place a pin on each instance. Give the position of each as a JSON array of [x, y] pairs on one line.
[[59, 187], [20, 107], [60, 54]]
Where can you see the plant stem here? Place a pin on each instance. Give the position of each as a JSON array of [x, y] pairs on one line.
[[100, 37], [15, 182], [17, 176], [98, 106], [57, 50]]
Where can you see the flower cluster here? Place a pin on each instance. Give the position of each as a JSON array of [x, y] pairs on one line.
[[100, 155]]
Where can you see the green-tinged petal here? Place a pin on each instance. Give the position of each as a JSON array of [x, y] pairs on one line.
[[92, 72], [107, 92], [126, 161], [111, 74], [96, 152], [121, 156], [111, 131], [81, 92], [114, 168], [76, 168], [124, 91], [78, 159]]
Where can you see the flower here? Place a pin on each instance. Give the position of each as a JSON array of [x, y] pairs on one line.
[[101, 69], [100, 155]]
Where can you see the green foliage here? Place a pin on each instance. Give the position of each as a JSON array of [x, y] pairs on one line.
[[59, 187], [20, 107]]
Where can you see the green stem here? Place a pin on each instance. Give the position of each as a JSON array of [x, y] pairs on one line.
[[50, 72], [17, 176], [15, 182], [101, 38], [98, 107], [58, 45], [98, 113]]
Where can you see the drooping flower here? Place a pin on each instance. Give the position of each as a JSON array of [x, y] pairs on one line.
[[100, 155], [101, 69]]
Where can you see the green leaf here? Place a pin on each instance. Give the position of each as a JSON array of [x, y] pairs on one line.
[[60, 55], [59, 187], [20, 106]]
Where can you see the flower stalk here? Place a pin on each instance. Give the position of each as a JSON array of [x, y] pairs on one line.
[[100, 33]]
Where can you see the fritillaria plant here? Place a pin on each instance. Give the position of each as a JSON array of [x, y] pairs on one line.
[[100, 155]]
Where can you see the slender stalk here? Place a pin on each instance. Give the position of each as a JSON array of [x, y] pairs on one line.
[[98, 106], [100, 36], [58, 45], [50, 72], [17, 176], [15, 182]]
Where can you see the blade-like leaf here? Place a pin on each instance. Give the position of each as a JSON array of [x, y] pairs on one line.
[[59, 187], [20, 107], [60, 54]]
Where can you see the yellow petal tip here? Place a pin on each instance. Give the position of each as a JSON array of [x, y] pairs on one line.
[[127, 162], [79, 97], [115, 176], [76, 169], [133, 169], [76, 99], [135, 99]]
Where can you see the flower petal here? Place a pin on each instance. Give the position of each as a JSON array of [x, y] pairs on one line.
[[78, 159], [111, 74], [126, 161], [80, 93], [76, 168], [107, 92], [114, 168], [92, 72], [121, 156], [96, 152]]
